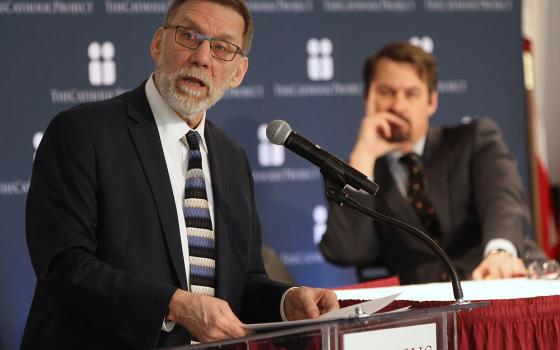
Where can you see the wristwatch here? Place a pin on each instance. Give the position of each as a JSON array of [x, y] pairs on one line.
[[499, 251]]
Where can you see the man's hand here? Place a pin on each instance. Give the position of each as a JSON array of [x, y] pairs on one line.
[[206, 318], [499, 265], [380, 133], [303, 303]]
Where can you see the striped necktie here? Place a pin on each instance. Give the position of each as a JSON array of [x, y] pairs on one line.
[[200, 234]]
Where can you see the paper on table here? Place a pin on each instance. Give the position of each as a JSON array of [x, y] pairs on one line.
[[368, 307]]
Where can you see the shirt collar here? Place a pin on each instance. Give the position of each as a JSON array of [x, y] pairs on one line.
[[417, 148], [170, 125]]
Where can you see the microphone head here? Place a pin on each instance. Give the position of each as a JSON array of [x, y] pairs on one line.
[[277, 131]]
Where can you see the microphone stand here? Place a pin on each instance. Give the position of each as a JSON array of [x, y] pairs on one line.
[[335, 186]]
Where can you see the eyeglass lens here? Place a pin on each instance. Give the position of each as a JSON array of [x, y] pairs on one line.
[[219, 48]]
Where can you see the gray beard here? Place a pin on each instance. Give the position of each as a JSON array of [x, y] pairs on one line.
[[186, 102]]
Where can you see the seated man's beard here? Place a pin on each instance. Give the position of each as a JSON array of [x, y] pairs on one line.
[[399, 134]]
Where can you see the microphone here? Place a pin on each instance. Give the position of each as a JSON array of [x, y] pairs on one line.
[[279, 132]]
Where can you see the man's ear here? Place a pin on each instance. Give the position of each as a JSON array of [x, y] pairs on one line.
[[239, 73], [433, 103], [155, 46]]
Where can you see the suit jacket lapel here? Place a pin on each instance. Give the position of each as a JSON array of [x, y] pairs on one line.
[[148, 145], [436, 162], [394, 199], [220, 192]]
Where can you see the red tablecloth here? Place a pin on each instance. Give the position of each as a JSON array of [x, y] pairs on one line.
[[511, 324]]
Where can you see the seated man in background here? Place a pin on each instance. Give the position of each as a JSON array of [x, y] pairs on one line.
[[458, 184]]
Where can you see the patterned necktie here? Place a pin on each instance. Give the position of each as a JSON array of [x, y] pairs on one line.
[[199, 223], [418, 195]]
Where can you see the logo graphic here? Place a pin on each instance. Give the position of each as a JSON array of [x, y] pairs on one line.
[[426, 43], [37, 137], [320, 219], [102, 68], [320, 64], [269, 154]]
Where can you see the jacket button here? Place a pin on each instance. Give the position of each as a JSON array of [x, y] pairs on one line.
[[444, 276]]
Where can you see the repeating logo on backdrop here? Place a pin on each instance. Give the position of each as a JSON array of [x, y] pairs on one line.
[[284, 6], [447, 6], [102, 69], [320, 70], [320, 64], [269, 154], [272, 157], [36, 140], [320, 215], [364, 6], [50, 7], [19, 186], [425, 43], [445, 86], [311, 255]]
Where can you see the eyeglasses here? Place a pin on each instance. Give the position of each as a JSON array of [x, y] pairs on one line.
[[220, 49]]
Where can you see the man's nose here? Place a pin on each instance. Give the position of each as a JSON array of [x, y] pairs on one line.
[[201, 56], [399, 102]]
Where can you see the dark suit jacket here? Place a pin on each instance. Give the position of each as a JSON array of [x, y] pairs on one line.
[[103, 233], [478, 196]]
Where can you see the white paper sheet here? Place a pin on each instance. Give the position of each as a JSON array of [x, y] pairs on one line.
[[368, 307]]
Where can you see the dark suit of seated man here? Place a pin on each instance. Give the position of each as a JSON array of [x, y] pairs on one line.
[[459, 184], [141, 218]]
